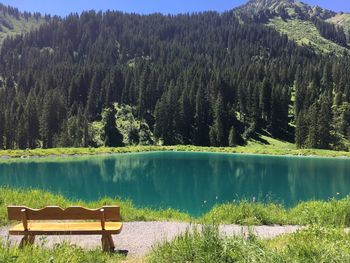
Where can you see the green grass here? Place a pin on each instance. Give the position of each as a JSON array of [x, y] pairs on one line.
[[314, 244], [335, 213], [331, 213], [273, 147], [305, 33], [60, 253]]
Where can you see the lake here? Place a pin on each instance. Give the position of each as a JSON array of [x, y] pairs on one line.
[[190, 182]]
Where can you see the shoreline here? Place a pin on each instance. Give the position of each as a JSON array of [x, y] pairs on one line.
[[326, 212], [8, 155]]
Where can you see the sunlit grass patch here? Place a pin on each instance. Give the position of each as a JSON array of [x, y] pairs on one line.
[[270, 147], [60, 253], [313, 244]]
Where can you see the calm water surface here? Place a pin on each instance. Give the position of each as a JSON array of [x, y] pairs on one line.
[[190, 182]]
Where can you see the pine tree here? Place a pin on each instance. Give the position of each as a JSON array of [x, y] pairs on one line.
[[142, 93], [218, 132], [83, 124], [201, 133], [111, 135], [9, 128], [299, 92], [160, 126], [2, 129], [324, 122], [265, 99], [255, 108], [93, 106], [184, 120], [301, 130], [21, 134], [31, 122], [273, 125], [52, 116], [166, 117], [313, 136], [326, 80], [232, 138]]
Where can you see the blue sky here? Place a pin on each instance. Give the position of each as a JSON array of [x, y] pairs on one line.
[[64, 7]]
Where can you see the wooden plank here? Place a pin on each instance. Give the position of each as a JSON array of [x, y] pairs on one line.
[[67, 228], [111, 213]]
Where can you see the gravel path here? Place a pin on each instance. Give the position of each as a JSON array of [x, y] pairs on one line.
[[138, 238]]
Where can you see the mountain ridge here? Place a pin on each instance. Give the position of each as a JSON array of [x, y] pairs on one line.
[[315, 10], [323, 30], [13, 22]]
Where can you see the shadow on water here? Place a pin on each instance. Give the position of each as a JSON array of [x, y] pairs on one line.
[[190, 182]]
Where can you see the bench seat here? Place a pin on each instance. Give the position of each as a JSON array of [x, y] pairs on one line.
[[67, 228]]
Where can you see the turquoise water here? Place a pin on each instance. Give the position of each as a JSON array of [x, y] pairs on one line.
[[190, 182]]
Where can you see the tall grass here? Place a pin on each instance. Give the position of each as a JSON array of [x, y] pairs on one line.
[[209, 246], [326, 213], [60, 253], [247, 213], [314, 244]]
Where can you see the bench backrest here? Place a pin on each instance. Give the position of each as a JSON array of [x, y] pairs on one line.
[[111, 213]]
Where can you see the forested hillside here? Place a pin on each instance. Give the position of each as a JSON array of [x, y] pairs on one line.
[[202, 79], [13, 22]]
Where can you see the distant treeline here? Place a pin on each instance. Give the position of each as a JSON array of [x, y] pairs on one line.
[[202, 79], [14, 12]]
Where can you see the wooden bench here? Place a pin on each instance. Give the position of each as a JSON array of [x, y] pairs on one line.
[[75, 220]]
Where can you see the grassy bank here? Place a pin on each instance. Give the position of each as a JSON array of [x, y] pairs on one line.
[[271, 147], [324, 240], [331, 213]]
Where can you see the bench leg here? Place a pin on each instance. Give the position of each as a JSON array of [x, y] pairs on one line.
[[27, 240], [107, 243], [111, 243]]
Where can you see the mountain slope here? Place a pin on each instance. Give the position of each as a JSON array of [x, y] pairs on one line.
[[13, 22], [305, 33], [320, 29], [294, 8], [342, 19]]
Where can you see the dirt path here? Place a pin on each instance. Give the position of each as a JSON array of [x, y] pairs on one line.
[[138, 238]]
